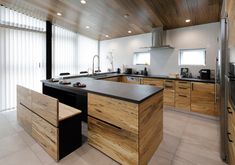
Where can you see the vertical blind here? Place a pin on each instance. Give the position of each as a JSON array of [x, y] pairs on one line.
[[72, 52], [22, 55]]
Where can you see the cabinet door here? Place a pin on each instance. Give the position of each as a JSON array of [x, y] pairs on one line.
[[115, 79], [182, 102], [203, 98], [231, 134]]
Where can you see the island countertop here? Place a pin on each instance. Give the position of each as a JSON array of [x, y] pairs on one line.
[[129, 92]]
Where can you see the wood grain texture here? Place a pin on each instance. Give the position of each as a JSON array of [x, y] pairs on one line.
[[182, 102], [66, 111], [24, 96], [24, 118], [107, 16], [150, 127], [118, 112], [119, 144], [115, 79], [154, 82], [46, 107], [46, 135], [203, 98]]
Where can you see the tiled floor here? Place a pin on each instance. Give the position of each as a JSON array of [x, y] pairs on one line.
[[188, 140]]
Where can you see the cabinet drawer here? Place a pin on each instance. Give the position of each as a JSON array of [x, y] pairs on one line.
[[116, 79], [107, 138], [117, 112], [183, 87], [155, 82], [169, 84], [182, 102], [169, 98], [207, 108]]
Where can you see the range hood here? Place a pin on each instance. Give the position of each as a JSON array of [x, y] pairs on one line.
[[159, 39]]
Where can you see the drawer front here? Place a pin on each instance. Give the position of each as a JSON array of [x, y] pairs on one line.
[[117, 112], [182, 102], [185, 84], [46, 135], [169, 98], [107, 138], [231, 152], [207, 108], [155, 82], [169, 84], [183, 87]]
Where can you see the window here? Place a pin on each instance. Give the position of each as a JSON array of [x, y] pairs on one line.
[[192, 57], [142, 58], [22, 54]]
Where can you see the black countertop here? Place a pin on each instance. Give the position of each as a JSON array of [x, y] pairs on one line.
[[154, 76], [130, 92]]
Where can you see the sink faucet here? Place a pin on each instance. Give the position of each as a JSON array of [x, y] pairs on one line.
[[93, 64]]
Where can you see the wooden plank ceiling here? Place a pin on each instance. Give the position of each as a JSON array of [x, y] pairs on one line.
[[107, 17]]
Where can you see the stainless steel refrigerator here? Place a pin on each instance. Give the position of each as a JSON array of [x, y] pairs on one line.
[[221, 87]]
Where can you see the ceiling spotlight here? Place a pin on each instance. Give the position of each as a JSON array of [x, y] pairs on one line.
[[129, 31], [83, 2], [59, 14], [107, 36], [126, 16], [187, 20], [87, 27]]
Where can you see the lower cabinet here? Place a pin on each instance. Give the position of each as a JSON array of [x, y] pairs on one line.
[[169, 93], [128, 132], [182, 95], [115, 79], [203, 98]]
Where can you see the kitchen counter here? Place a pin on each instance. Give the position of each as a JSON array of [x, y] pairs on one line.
[[129, 92], [108, 75]]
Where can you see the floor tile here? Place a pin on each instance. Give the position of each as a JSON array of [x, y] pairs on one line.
[[11, 144], [23, 157], [41, 154], [5, 128]]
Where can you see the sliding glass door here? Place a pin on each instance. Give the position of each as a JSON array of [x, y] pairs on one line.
[[22, 55]]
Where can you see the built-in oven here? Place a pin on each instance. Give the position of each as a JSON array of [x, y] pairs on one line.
[[232, 84]]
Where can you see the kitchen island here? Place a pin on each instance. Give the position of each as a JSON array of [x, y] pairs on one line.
[[125, 121]]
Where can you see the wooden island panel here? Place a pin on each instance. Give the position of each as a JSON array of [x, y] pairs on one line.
[[128, 132], [117, 112], [150, 127]]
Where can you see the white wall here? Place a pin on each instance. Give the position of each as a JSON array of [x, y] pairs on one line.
[[164, 61]]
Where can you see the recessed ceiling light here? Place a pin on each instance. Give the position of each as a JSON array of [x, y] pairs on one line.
[[83, 2], [107, 36], [59, 14], [126, 16], [187, 20], [129, 31], [87, 27]]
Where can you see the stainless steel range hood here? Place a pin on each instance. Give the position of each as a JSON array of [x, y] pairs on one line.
[[159, 39]]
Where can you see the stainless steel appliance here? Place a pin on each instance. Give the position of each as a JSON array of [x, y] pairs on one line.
[[205, 74], [133, 80], [232, 84], [221, 87]]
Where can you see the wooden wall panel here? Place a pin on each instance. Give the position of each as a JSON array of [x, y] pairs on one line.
[[150, 127]]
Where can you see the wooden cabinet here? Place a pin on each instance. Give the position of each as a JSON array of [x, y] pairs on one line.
[[169, 93], [115, 79], [203, 98], [153, 81], [231, 134], [182, 95], [128, 132]]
